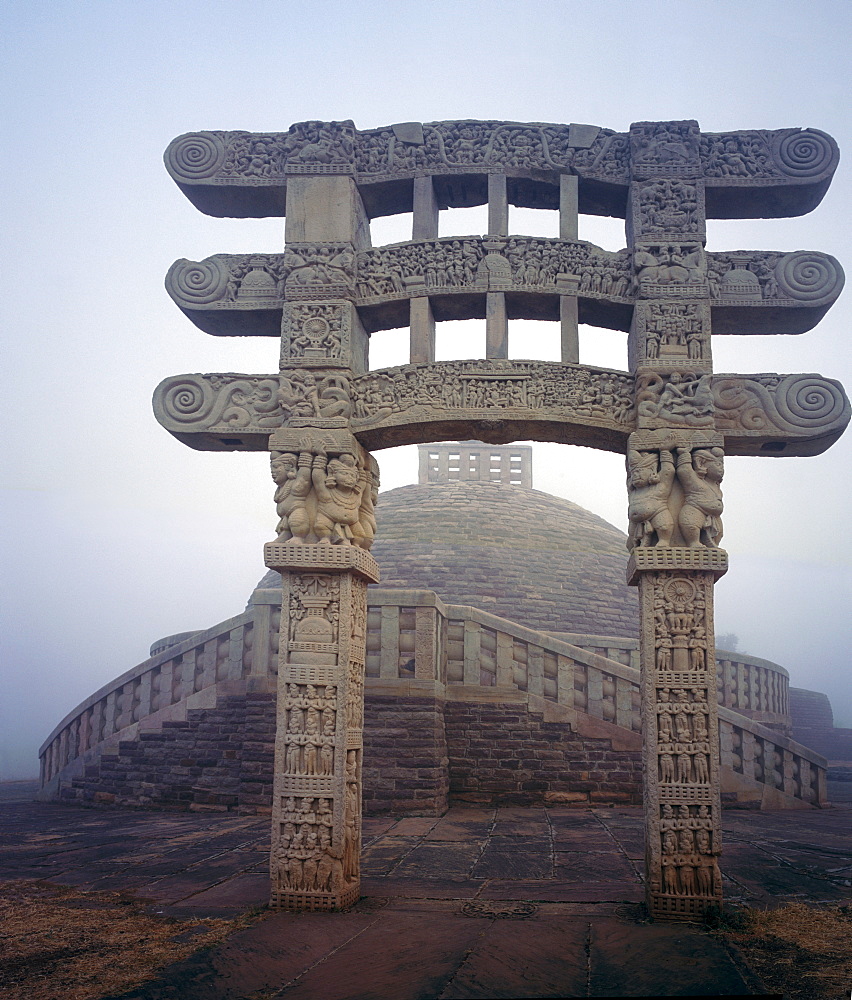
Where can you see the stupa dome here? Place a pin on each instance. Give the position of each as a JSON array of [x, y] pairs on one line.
[[528, 556]]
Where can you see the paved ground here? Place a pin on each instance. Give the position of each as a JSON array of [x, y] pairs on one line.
[[505, 902]]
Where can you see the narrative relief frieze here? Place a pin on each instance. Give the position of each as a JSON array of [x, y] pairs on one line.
[[531, 264], [797, 406], [666, 148]]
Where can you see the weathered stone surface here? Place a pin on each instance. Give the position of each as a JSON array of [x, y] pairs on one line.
[[667, 415], [500, 400], [758, 173], [756, 292]]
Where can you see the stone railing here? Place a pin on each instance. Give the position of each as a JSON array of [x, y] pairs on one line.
[[416, 639], [756, 688], [164, 687], [752, 753], [413, 636]]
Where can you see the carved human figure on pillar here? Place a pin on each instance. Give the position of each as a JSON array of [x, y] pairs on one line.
[[364, 530], [292, 475], [338, 490], [700, 473], [649, 484]]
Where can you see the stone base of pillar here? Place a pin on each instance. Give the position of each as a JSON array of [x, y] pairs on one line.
[[313, 901], [667, 906]]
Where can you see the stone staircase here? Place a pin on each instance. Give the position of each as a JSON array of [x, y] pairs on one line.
[[459, 703]]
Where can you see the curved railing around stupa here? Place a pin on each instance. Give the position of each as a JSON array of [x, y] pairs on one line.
[[590, 682]]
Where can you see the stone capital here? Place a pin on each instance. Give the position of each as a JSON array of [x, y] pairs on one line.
[[676, 558]]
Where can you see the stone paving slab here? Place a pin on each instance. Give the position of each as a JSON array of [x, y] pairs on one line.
[[407, 951], [568, 873], [558, 891]]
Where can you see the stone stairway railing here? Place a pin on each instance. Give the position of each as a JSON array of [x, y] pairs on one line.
[[415, 639], [754, 687], [162, 688]]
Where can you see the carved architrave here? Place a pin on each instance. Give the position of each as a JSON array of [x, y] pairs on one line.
[[480, 390], [750, 291], [759, 414], [756, 158], [521, 263]]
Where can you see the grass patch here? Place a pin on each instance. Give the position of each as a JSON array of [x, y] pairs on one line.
[[804, 952], [58, 941]]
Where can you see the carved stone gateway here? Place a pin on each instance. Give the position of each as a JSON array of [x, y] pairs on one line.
[[671, 417]]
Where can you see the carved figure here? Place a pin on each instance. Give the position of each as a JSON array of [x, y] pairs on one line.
[[680, 400], [702, 772], [684, 733], [300, 395], [649, 487], [669, 265], [696, 648], [705, 880], [670, 883], [292, 475], [687, 880], [364, 530], [700, 473], [338, 491]]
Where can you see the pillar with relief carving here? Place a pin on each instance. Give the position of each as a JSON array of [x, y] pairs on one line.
[[675, 467]]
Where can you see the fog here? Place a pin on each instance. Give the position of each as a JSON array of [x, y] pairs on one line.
[[115, 533]]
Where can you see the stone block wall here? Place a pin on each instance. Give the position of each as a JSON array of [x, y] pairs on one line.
[[405, 756], [813, 725], [504, 753], [419, 752], [218, 759]]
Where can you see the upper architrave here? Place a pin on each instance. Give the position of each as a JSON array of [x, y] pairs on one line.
[[750, 174], [750, 292]]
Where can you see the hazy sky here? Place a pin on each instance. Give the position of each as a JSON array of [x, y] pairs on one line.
[[116, 534]]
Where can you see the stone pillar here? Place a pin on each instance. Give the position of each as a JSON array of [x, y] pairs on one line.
[[327, 487], [570, 330], [568, 207], [496, 326], [498, 205], [326, 209], [424, 224], [675, 468], [421, 330], [680, 731]]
